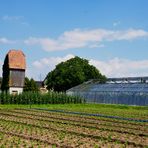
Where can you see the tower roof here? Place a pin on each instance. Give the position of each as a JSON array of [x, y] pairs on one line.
[[16, 59]]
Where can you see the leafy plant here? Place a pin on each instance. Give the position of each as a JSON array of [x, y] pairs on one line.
[[71, 73], [38, 98]]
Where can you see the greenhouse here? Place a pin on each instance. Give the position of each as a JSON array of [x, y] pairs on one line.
[[130, 91]]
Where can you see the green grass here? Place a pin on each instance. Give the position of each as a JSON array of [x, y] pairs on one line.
[[107, 109]]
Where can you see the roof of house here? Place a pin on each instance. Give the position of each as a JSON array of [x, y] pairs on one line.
[[16, 59]]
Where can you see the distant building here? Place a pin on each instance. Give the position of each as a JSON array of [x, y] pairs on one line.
[[14, 72], [42, 87], [39, 84]]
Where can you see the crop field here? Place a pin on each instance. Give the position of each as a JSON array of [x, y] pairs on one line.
[[38, 128]]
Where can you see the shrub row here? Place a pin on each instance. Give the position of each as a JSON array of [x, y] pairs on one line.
[[38, 98]]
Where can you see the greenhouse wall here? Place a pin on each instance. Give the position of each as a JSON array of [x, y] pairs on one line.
[[128, 98], [129, 93]]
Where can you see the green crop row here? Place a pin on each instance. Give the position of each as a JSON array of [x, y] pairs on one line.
[[38, 98]]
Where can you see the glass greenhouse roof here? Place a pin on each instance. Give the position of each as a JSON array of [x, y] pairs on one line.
[[114, 84]]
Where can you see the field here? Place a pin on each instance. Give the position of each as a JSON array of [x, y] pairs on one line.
[[21, 126]]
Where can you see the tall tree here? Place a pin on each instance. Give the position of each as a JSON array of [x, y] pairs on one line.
[[71, 73], [5, 79], [30, 85]]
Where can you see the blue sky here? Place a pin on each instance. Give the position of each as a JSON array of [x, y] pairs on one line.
[[111, 34]]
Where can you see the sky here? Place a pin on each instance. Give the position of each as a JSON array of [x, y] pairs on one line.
[[111, 34]]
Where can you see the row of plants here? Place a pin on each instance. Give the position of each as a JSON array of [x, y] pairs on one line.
[[67, 134], [14, 140], [39, 98], [60, 138], [82, 119], [103, 126]]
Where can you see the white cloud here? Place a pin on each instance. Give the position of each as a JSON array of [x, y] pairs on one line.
[[122, 67], [50, 62], [129, 35], [97, 46], [6, 41], [17, 19], [11, 18], [116, 23], [25, 24], [115, 67], [45, 65], [78, 38]]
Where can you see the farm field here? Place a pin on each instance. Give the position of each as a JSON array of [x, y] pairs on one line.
[[138, 112], [24, 127]]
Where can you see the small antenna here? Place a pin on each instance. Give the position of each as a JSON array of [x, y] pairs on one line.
[[40, 77]]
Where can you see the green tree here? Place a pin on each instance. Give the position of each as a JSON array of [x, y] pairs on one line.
[[71, 73], [0, 80], [30, 85], [5, 79]]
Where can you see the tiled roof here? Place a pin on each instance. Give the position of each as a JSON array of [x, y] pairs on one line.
[[16, 59]]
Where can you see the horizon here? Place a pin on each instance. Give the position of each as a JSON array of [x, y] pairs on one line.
[[112, 35]]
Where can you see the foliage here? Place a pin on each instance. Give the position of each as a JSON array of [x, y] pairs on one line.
[[38, 98], [5, 80], [0, 82], [30, 85], [71, 73]]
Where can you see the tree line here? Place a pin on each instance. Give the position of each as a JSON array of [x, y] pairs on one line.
[[67, 75]]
